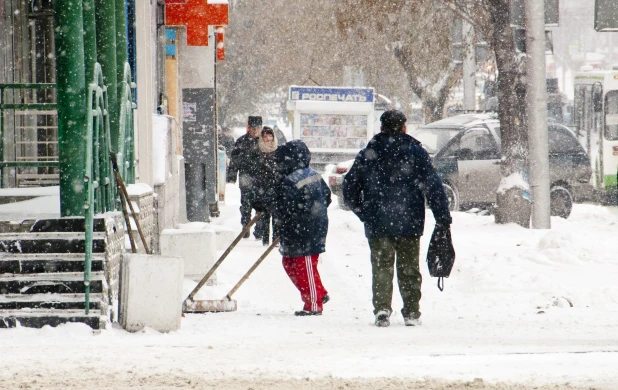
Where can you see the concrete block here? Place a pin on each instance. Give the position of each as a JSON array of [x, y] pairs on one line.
[[196, 246], [151, 292], [225, 236]]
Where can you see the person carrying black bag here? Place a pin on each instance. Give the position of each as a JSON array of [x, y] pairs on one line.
[[386, 188]]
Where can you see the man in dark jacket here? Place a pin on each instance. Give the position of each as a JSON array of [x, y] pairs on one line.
[[301, 220], [245, 163], [386, 188]]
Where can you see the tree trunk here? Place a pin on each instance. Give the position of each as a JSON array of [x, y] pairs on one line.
[[434, 101], [513, 198]]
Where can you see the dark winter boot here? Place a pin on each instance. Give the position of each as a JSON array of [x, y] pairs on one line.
[[414, 319], [382, 319]]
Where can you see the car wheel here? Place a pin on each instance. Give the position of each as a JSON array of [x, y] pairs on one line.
[[341, 204], [561, 202], [452, 196]]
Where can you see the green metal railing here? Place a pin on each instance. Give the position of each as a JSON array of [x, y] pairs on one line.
[[100, 193], [126, 142], [22, 106], [100, 186]]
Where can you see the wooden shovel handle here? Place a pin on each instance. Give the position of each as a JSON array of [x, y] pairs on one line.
[[257, 263], [211, 271]]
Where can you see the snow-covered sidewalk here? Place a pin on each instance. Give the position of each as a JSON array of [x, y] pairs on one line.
[[522, 307]]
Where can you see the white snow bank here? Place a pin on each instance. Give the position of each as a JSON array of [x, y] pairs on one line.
[[139, 189], [34, 191], [40, 205], [528, 307]]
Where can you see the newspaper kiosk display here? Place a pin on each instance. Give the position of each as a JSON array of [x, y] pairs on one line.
[[334, 131], [334, 122]]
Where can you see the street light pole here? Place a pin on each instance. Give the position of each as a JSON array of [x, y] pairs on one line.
[[536, 107]]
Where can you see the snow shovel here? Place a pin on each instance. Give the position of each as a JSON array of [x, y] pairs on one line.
[[227, 303], [191, 306], [124, 198]]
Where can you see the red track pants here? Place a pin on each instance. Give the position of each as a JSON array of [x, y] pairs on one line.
[[303, 271]]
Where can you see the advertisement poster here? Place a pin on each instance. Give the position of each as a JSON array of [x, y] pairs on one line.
[[189, 112], [334, 131]]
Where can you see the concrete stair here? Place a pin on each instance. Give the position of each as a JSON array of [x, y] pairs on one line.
[[42, 273]]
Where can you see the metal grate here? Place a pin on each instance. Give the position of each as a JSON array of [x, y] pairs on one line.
[[35, 139]]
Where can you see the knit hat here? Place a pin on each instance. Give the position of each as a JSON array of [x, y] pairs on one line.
[[254, 121], [393, 119], [291, 156]]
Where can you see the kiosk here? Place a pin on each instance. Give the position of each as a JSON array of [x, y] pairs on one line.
[[334, 122]]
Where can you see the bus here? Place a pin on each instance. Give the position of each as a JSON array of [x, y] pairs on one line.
[[595, 119]]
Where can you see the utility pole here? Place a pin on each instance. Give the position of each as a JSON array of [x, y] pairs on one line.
[[469, 68], [536, 107]]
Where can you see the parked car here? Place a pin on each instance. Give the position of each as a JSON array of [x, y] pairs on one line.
[[466, 153]]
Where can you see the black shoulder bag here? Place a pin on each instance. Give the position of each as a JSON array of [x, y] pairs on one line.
[[440, 255]]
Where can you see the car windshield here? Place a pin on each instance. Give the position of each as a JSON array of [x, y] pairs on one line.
[[434, 139]]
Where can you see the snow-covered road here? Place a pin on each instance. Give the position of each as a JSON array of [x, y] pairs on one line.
[[504, 317]]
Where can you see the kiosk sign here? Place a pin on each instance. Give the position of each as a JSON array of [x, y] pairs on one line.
[[334, 122], [332, 94]]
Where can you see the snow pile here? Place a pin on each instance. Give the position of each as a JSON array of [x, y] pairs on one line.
[[514, 180]]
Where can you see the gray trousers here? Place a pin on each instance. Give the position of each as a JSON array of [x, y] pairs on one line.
[[384, 251]]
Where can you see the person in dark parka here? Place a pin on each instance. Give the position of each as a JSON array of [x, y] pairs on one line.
[[300, 210], [386, 188], [265, 181], [245, 163]]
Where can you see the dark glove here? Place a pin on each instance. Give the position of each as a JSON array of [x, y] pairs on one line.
[[259, 206]]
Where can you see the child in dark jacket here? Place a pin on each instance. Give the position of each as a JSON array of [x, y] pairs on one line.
[[300, 212]]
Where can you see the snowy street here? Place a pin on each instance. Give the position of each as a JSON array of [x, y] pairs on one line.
[[522, 308]]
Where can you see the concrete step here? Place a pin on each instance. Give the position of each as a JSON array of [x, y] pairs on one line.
[[47, 263], [50, 301], [37, 318], [54, 283], [76, 225], [68, 224], [53, 242]]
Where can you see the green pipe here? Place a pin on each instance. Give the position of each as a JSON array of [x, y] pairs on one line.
[[90, 39], [72, 112], [106, 50], [121, 45], [121, 38]]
